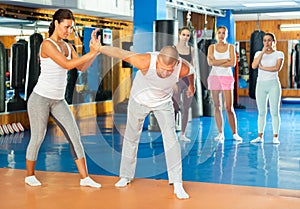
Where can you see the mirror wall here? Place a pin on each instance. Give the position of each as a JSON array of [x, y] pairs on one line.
[[287, 75], [102, 79]]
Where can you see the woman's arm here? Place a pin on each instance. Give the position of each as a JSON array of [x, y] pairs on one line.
[[212, 61], [231, 62], [210, 55], [256, 60], [83, 67], [188, 70], [275, 68], [49, 50]]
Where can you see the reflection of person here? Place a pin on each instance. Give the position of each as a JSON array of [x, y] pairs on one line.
[[152, 91], [221, 56], [269, 62], [57, 57], [181, 88]]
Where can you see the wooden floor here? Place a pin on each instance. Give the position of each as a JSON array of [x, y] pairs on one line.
[[62, 191]]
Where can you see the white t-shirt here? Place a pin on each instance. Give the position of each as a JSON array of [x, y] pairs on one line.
[[268, 60], [150, 89], [53, 78]]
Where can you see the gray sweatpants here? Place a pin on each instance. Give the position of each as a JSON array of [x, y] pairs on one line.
[[135, 120], [39, 109]]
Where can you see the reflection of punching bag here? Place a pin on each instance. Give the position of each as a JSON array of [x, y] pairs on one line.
[[18, 72], [3, 67], [19, 64], [256, 44], [166, 33], [34, 70], [297, 65], [71, 84], [292, 69], [72, 76]]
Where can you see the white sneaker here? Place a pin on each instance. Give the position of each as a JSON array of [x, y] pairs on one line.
[[122, 182], [220, 137], [184, 138], [276, 140], [237, 137], [89, 182], [257, 140], [32, 181]]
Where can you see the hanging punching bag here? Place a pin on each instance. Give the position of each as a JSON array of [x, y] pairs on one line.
[[18, 72], [19, 64], [34, 70], [3, 67], [204, 73], [292, 69], [256, 44], [166, 33], [72, 76], [297, 65], [197, 102]]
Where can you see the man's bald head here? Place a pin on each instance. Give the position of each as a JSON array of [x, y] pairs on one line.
[[168, 55]]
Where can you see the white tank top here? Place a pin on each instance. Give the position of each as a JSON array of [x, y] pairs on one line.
[[218, 70], [150, 89], [53, 78]]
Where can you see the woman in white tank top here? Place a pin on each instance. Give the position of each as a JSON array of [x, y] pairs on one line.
[[57, 57], [222, 58]]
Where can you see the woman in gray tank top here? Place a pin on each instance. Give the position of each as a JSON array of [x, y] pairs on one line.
[[180, 89]]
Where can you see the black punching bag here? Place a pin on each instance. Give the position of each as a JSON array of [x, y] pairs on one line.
[[72, 76], [297, 65], [34, 70], [3, 67], [208, 107], [19, 64], [166, 33], [256, 44], [18, 72]]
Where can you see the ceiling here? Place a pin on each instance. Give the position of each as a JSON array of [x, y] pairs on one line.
[[270, 11]]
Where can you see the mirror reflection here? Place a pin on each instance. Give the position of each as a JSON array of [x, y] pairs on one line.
[[289, 75], [19, 62]]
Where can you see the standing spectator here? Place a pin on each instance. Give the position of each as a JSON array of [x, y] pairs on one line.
[[269, 62], [181, 88], [221, 56]]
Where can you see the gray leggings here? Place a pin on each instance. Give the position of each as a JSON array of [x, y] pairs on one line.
[[39, 109]]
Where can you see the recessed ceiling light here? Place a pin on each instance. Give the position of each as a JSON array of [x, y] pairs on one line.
[[282, 14], [289, 27]]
